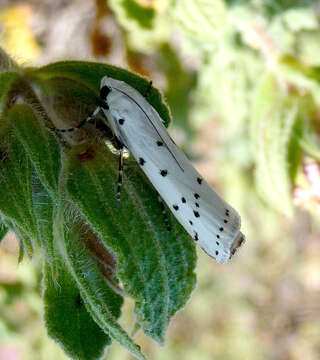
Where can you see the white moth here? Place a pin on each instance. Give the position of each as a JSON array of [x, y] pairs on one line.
[[212, 223]]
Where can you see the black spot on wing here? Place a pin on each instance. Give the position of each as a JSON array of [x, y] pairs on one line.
[[183, 200], [163, 172], [196, 213], [199, 180], [159, 143], [197, 205], [190, 222], [151, 123], [197, 196], [176, 207], [121, 121], [142, 161]]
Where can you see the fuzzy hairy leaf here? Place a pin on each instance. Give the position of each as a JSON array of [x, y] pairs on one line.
[[43, 209], [67, 319], [16, 204], [43, 151], [155, 265], [3, 230], [100, 300], [274, 116], [89, 76], [63, 202], [40, 145], [66, 101], [7, 80]]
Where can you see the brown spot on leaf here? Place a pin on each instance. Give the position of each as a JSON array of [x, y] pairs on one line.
[[88, 154]]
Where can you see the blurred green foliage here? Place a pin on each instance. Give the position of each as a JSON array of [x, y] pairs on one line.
[[235, 45], [242, 79]]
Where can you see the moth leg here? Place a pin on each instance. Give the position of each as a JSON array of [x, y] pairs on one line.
[[148, 89], [89, 119], [120, 176], [164, 213]]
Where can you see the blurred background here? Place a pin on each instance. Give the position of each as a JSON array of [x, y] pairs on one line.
[[242, 80]]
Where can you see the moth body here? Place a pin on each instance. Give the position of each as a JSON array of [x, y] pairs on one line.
[[212, 223]]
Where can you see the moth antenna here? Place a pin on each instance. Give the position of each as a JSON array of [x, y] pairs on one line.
[[164, 213], [120, 176], [91, 118]]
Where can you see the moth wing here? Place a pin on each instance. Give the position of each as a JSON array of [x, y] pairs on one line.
[[212, 223]]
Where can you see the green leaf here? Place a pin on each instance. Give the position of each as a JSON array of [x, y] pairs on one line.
[[133, 11], [67, 319], [274, 117], [179, 275], [16, 204], [310, 142], [307, 78], [3, 230], [200, 19], [100, 300], [40, 145], [90, 74], [181, 83], [43, 150], [7, 81], [308, 48], [155, 265], [146, 28], [306, 136], [43, 209], [26, 241], [234, 72]]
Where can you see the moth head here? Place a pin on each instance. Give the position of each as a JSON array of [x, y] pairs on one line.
[[105, 88], [104, 91]]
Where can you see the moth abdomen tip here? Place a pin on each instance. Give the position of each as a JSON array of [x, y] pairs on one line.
[[238, 241]]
